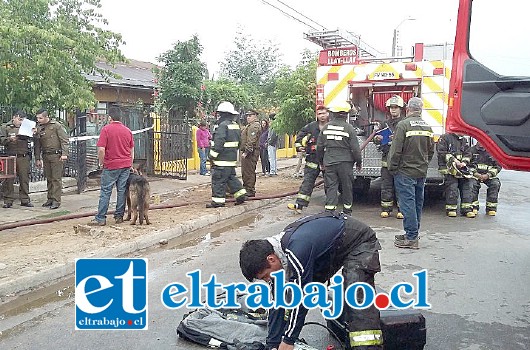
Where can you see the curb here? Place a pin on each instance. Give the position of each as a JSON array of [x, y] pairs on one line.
[[36, 280]]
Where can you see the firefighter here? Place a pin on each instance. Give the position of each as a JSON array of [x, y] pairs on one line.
[[313, 249], [338, 150], [306, 141], [395, 106], [485, 170], [223, 155], [454, 158], [249, 147], [18, 146]]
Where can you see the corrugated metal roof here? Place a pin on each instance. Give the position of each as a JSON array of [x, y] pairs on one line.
[[133, 73]]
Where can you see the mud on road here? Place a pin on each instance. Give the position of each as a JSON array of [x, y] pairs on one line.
[[30, 250]]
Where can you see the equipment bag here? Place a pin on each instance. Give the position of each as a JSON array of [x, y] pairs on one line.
[[224, 329], [231, 329]]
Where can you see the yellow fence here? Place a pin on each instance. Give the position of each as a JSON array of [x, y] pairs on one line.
[[194, 163]]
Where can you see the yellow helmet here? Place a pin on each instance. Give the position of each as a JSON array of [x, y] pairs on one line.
[[340, 107], [395, 100]]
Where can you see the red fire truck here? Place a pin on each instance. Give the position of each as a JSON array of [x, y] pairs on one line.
[[350, 71]]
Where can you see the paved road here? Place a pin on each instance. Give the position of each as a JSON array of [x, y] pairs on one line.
[[479, 273]]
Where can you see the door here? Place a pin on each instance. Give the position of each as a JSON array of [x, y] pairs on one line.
[[490, 80]]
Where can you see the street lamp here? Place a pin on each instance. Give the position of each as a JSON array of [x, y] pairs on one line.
[[395, 38]]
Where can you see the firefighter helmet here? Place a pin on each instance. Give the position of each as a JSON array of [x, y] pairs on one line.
[[226, 107], [395, 100], [463, 172], [343, 107]]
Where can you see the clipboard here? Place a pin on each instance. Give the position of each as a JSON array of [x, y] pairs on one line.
[[386, 133]]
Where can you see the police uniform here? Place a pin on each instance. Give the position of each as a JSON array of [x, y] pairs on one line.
[[223, 156], [483, 163], [21, 149], [307, 138], [51, 140], [250, 145], [452, 147], [338, 150], [313, 249]]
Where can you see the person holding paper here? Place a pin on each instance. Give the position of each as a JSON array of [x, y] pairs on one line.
[[16, 145], [383, 138]]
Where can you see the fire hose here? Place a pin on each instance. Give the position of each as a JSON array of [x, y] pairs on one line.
[[31, 222]]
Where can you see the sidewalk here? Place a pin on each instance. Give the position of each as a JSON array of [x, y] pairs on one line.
[[87, 201], [36, 255]]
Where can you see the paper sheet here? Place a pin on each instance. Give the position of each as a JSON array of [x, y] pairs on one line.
[[26, 129]]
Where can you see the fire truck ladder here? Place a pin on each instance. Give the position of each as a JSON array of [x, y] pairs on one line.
[[339, 38]]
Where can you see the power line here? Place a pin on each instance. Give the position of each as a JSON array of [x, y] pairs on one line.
[[301, 14], [289, 15]]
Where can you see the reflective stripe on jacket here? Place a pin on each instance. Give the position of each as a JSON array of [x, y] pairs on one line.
[[412, 147]]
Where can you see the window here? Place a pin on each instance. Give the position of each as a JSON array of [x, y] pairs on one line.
[[499, 37]]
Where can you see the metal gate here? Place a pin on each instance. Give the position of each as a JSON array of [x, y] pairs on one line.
[[76, 165], [171, 146]]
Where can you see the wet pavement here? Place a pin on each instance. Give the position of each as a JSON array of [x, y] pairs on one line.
[[478, 277]]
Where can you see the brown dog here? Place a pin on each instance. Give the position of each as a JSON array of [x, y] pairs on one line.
[[138, 196]]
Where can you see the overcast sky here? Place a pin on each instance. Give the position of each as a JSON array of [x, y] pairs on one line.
[[151, 27]]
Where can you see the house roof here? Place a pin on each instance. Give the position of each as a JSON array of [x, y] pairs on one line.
[[134, 74]]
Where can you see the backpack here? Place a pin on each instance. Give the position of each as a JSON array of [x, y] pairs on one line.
[[231, 329]]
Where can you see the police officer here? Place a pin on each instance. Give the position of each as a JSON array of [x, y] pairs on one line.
[[250, 151], [485, 170], [394, 105], [16, 145], [306, 141], [313, 249], [338, 150], [454, 158], [223, 155], [51, 140]]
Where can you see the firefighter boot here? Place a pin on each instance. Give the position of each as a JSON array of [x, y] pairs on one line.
[[491, 212], [296, 207], [399, 215], [214, 205], [240, 200], [385, 214], [451, 214], [470, 214]]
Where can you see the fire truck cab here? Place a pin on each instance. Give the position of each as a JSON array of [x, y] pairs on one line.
[[352, 72]]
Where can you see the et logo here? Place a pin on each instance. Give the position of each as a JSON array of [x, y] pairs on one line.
[[111, 294]]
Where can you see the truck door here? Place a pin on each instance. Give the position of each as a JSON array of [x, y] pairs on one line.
[[490, 79]]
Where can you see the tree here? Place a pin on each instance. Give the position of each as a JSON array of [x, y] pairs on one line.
[[181, 78], [251, 62], [296, 91], [224, 90], [46, 46]]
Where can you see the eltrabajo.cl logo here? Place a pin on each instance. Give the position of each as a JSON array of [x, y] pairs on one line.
[[111, 294]]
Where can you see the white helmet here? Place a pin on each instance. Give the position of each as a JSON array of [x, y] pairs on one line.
[[226, 107], [395, 100], [341, 107]]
